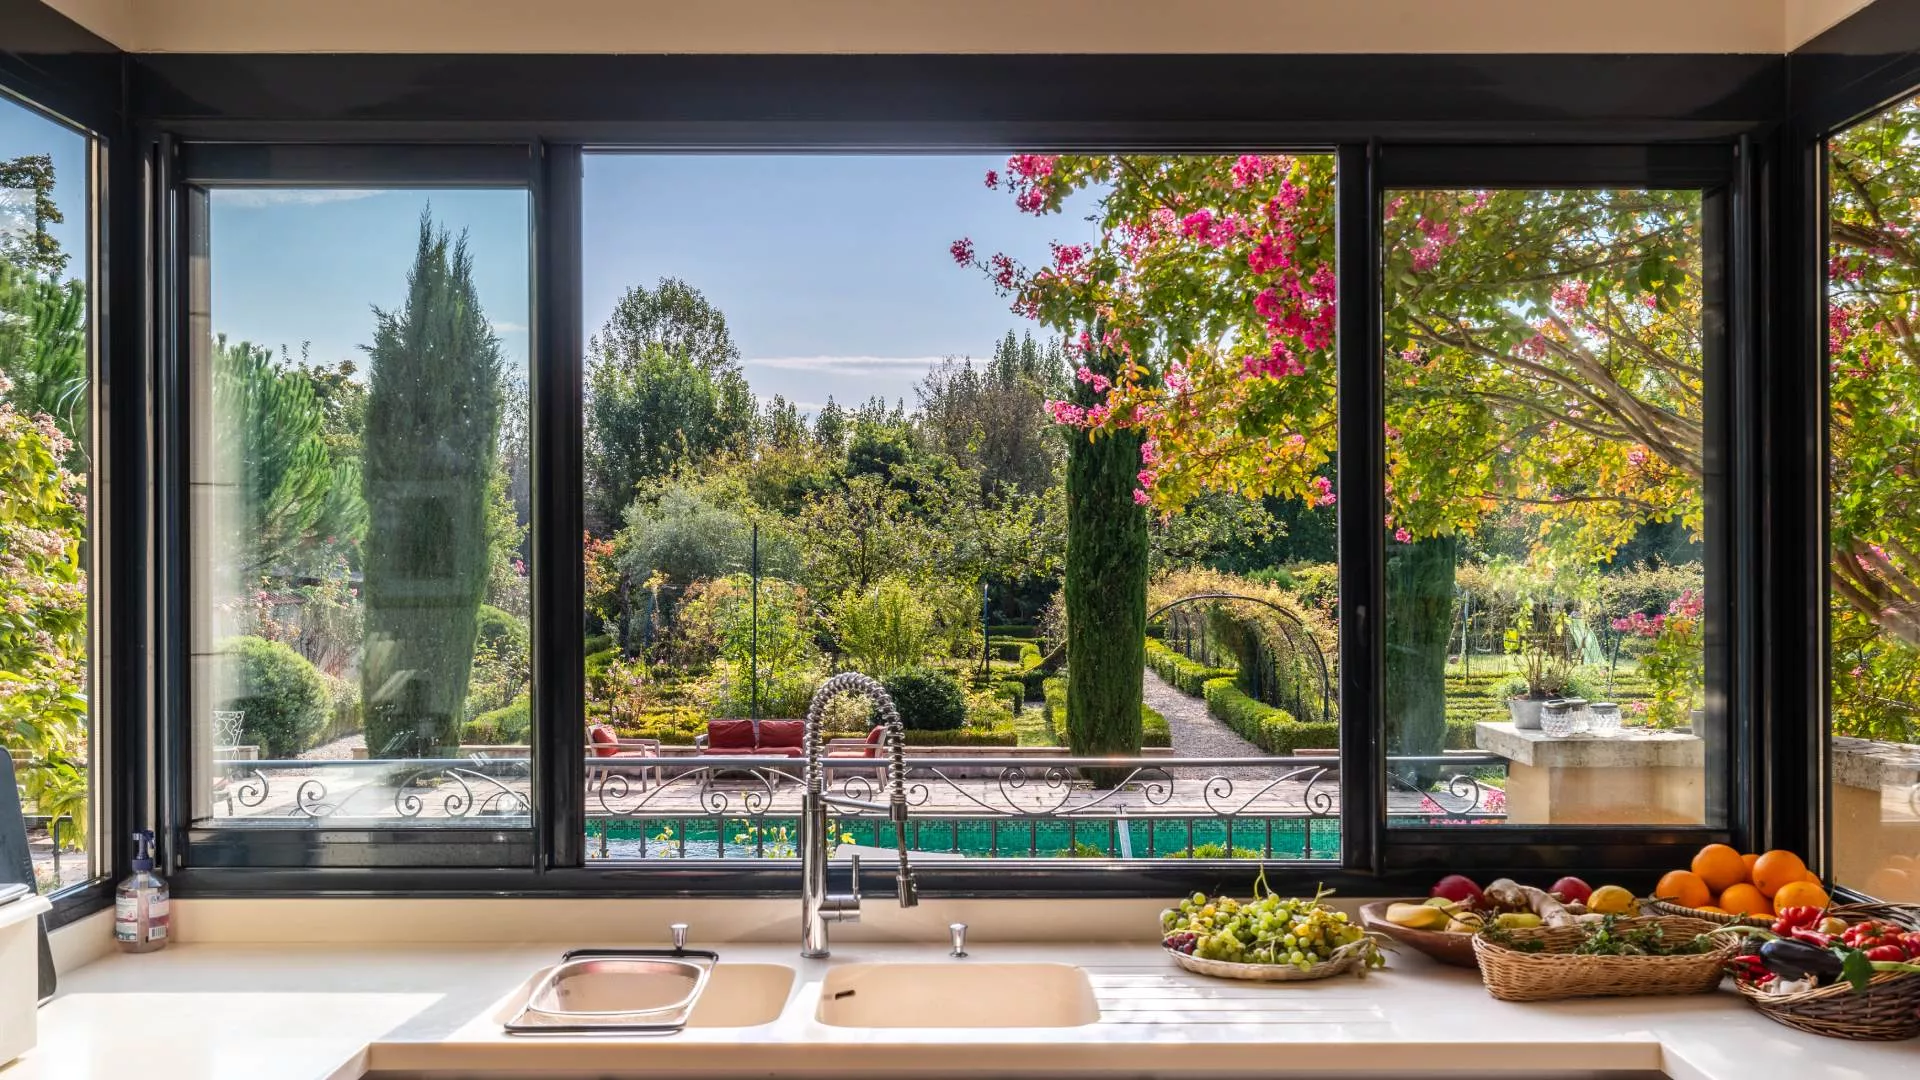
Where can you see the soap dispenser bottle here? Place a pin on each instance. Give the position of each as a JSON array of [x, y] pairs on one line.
[[140, 906]]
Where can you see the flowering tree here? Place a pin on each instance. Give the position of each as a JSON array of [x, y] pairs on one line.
[[1874, 426], [1543, 353]]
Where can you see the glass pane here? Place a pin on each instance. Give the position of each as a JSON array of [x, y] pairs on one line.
[[360, 592], [1873, 605], [1546, 651], [1042, 442], [46, 454]]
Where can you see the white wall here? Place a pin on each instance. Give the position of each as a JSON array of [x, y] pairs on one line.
[[958, 26]]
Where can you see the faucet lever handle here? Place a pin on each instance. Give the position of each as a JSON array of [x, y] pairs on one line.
[[679, 932], [853, 881], [958, 931]]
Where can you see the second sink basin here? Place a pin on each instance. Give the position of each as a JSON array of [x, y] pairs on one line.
[[957, 995]]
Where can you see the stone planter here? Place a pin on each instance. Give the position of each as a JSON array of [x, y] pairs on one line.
[[1526, 712]]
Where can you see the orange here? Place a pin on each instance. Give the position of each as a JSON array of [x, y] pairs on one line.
[[1744, 899], [1719, 866], [1685, 888], [1800, 894], [1776, 870], [1812, 878], [1749, 860]]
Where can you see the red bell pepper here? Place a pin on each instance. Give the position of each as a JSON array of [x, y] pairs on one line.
[[1793, 918]]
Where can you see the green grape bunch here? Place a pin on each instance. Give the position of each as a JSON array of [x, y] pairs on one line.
[[1267, 929]]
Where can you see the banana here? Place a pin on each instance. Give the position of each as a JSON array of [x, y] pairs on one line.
[[1418, 917]]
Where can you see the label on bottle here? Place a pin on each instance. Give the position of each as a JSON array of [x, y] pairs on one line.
[[126, 918], [157, 907], [157, 932]]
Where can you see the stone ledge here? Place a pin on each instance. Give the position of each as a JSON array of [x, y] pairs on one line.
[[1865, 763], [1633, 748]]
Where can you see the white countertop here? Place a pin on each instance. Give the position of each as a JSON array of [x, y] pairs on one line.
[[338, 1012]]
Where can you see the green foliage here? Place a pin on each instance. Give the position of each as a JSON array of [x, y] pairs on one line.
[[1419, 624], [43, 615], [43, 350], [293, 497], [990, 419], [682, 537], [1153, 728], [509, 725], [1214, 851], [677, 726], [1188, 676], [34, 249], [1274, 731], [433, 423], [1016, 630], [1001, 736], [284, 697], [885, 627], [928, 699], [502, 659]]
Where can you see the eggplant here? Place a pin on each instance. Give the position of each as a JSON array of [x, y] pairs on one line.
[[1797, 959]]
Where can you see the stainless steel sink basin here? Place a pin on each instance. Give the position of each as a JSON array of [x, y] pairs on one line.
[[957, 995], [660, 994]]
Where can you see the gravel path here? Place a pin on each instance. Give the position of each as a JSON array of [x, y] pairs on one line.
[[1195, 732]]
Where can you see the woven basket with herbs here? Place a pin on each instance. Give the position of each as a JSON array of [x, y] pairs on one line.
[[1610, 957], [1853, 988]]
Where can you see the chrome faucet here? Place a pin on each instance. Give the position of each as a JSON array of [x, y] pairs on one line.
[[817, 906]]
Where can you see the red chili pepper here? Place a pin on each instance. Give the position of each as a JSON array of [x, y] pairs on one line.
[[1790, 919], [1894, 953], [1747, 968], [1811, 937]]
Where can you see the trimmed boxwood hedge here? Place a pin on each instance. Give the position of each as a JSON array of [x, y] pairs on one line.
[[1274, 731], [1189, 676], [965, 737]]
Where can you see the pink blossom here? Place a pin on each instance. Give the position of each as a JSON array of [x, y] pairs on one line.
[[1323, 491], [1289, 195], [1066, 412], [993, 178], [962, 251], [1425, 258], [1250, 169], [1099, 383], [1140, 497], [1150, 452], [1196, 224], [1031, 167], [1146, 477], [1067, 256], [1571, 295], [1004, 271], [1268, 255], [1401, 535]]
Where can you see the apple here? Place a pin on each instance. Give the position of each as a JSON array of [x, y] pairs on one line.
[[1460, 889], [1571, 890]]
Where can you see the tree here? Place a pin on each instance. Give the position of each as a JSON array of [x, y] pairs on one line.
[[43, 350], [293, 497], [1873, 343], [43, 618], [674, 317], [992, 419], [31, 245], [1543, 346], [433, 425], [648, 413], [1106, 595]]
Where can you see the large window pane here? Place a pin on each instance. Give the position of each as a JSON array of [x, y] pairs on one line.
[[46, 459], [1545, 608], [1873, 607], [360, 592], [963, 424]]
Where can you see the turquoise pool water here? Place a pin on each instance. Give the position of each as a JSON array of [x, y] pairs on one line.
[[1140, 838]]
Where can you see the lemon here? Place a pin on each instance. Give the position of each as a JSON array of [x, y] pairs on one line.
[[1612, 900]]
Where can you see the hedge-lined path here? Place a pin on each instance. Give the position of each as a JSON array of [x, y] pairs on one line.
[[1194, 731]]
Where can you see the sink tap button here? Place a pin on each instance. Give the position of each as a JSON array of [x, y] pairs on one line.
[[959, 933], [679, 931]]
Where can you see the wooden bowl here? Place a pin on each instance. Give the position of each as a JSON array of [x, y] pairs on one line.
[[1454, 949]]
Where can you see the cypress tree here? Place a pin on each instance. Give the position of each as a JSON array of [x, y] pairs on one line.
[[1105, 593], [1419, 625], [433, 423]]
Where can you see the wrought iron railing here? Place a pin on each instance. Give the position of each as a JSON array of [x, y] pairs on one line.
[[718, 806]]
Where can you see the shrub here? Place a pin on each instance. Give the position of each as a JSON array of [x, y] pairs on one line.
[[1008, 649], [673, 727], [1186, 675], [1215, 851], [1013, 630], [1011, 691], [1274, 731], [509, 725], [597, 665], [283, 696], [598, 643], [503, 632], [928, 699], [1154, 732], [885, 627], [1003, 736]]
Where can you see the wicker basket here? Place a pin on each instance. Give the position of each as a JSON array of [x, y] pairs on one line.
[[1663, 907], [1556, 973], [1889, 1009]]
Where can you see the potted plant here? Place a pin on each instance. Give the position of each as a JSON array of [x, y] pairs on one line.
[[1538, 637], [1675, 660]]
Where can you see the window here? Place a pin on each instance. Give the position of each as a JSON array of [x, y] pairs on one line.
[[47, 453], [984, 428], [358, 566], [1546, 403], [1873, 447]]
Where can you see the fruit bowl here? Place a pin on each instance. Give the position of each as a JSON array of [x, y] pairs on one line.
[[1447, 948], [1347, 958]]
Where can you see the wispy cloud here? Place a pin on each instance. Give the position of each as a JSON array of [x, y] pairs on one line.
[[845, 365], [504, 327], [254, 198]]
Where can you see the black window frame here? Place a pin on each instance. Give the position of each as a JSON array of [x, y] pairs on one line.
[[1767, 111]]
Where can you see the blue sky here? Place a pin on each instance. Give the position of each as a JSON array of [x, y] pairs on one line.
[[23, 132]]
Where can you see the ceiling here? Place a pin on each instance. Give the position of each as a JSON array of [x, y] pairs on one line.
[[959, 26]]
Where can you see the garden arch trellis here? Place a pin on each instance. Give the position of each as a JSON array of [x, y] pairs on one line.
[[1292, 623]]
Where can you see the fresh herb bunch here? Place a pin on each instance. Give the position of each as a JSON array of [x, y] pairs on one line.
[[1606, 937]]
